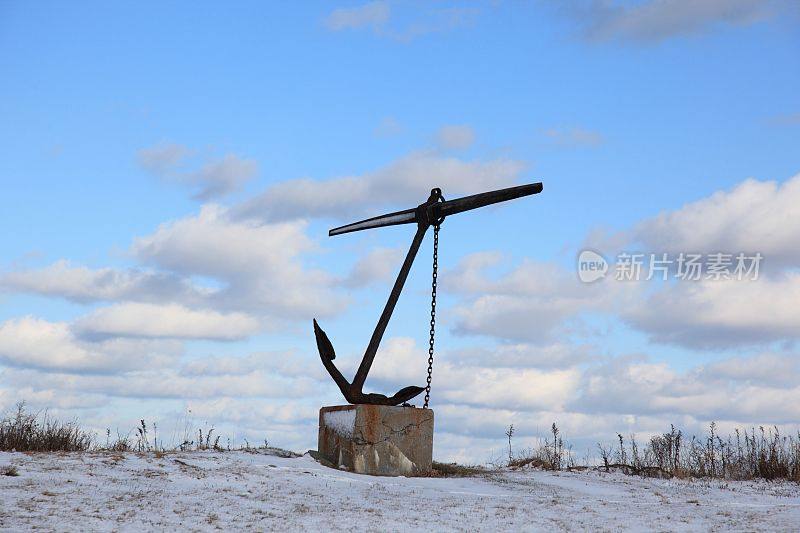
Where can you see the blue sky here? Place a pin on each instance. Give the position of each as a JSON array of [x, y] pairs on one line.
[[130, 133]]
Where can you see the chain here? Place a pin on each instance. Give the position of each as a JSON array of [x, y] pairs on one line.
[[433, 313]]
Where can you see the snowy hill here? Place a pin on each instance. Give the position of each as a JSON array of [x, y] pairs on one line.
[[234, 490]]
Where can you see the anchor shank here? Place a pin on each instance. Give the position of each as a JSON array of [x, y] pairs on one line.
[[383, 321]]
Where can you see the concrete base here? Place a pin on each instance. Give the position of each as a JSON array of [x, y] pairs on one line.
[[380, 440]]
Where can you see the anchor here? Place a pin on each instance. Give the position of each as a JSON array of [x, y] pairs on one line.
[[432, 212]]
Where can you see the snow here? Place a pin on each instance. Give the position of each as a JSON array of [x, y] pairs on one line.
[[233, 490], [342, 422]]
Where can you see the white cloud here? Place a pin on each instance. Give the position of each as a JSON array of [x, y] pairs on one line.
[[255, 413], [574, 137], [213, 179], [515, 318], [60, 364], [708, 314], [379, 18], [307, 198], [638, 386], [287, 364], [767, 369], [219, 366], [755, 216], [211, 244], [255, 269], [34, 343], [518, 389], [290, 424], [82, 284], [469, 275], [258, 263], [659, 20], [534, 302], [167, 383], [521, 355], [372, 15], [166, 321], [401, 363], [53, 400], [406, 182], [455, 137], [474, 402], [379, 264], [163, 158], [752, 217], [218, 178]]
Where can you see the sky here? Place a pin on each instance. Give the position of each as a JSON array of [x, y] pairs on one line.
[[170, 171]]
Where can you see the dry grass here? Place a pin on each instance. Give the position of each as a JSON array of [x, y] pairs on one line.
[[552, 454], [37, 432], [754, 454], [9, 470], [24, 431], [456, 470], [757, 454]]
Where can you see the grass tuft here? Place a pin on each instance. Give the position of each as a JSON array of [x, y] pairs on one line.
[[9, 470], [456, 470], [755, 454], [37, 432]]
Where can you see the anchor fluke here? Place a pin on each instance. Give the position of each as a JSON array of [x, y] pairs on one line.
[[406, 393], [327, 355], [323, 343]]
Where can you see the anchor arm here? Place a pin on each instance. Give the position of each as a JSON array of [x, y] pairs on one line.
[[399, 217], [327, 355]]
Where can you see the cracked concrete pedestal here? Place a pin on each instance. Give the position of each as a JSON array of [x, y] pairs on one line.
[[380, 440]]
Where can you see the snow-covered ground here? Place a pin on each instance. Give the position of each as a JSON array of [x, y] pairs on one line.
[[235, 490]]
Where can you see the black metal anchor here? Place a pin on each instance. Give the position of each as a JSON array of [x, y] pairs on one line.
[[430, 213]]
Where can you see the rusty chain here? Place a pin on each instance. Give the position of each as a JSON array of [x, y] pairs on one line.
[[433, 312]]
